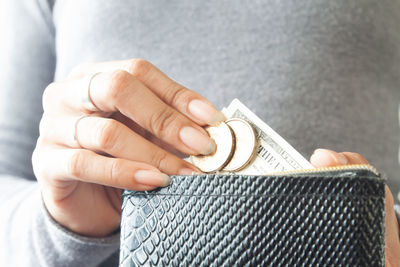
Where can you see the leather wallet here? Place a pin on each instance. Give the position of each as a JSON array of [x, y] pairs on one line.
[[317, 217]]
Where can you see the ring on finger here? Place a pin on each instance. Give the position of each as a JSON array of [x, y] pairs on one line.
[[87, 98], [76, 129]]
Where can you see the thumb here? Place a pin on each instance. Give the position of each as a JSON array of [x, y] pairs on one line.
[[329, 158]]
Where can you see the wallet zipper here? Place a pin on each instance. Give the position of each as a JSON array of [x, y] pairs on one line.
[[353, 167]]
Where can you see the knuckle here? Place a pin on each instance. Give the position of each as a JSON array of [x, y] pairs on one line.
[[78, 70], [40, 142], [160, 159], [42, 125], [47, 97], [177, 94], [115, 171], [118, 82], [106, 134], [76, 163], [164, 122], [45, 127], [37, 165], [35, 158], [139, 67]]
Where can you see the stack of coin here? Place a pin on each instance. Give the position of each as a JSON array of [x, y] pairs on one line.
[[236, 143]]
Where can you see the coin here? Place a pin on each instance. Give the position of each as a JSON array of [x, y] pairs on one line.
[[246, 141], [225, 141]]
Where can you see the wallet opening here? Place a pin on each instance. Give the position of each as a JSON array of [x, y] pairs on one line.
[[330, 217]]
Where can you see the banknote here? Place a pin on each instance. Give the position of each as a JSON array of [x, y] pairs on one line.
[[273, 153]]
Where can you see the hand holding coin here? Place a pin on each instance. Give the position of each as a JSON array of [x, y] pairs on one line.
[[236, 143], [250, 147], [225, 144], [111, 126]]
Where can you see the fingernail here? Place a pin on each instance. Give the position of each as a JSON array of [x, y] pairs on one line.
[[152, 178], [324, 157], [321, 158], [187, 171], [196, 140], [205, 112]]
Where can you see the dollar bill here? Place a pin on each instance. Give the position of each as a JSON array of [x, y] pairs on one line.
[[273, 153]]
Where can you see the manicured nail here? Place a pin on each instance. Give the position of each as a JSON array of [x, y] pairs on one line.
[[205, 112], [152, 178], [197, 140], [187, 171], [324, 157]]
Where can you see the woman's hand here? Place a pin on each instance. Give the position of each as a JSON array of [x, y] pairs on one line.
[[136, 120], [326, 158]]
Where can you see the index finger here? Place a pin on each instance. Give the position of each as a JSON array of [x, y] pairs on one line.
[[186, 101]]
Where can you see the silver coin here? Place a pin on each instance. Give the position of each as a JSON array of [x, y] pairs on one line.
[[225, 141], [246, 142]]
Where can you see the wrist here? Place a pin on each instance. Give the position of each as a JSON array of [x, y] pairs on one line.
[[79, 225]]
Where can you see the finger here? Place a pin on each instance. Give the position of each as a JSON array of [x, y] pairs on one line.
[[354, 158], [184, 100], [329, 158], [108, 136], [70, 95], [146, 134], [392, 243], [116, 139], [87, 166], [120, 91], [123, 92]]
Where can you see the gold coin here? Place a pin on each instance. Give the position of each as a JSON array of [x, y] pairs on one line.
[[225, 141], [246, 141]]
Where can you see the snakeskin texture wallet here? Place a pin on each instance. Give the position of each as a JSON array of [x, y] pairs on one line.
[[318, 217]]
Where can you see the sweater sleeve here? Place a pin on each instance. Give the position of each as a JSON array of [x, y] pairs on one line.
[[30, 237], [28, 234]]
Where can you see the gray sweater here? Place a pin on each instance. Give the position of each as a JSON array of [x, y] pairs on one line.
[[321, 73]]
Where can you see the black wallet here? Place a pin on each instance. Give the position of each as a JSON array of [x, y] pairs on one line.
[[317, 217]]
